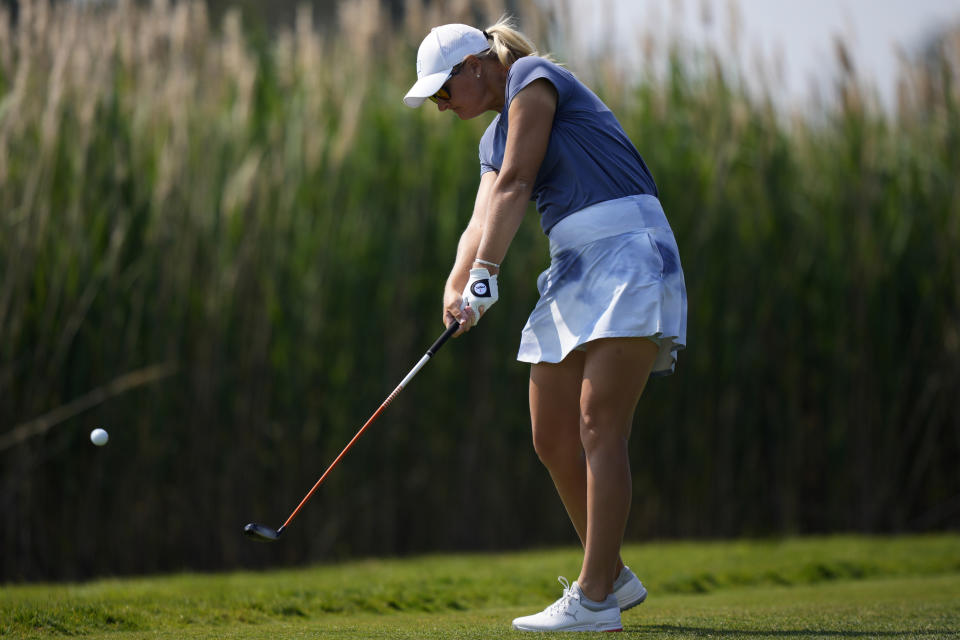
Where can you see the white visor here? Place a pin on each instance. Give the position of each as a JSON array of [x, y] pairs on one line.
[[425, 87]]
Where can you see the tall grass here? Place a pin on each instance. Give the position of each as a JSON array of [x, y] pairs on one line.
[[263, 222]]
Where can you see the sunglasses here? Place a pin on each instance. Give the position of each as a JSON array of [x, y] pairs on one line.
[[443, 93]]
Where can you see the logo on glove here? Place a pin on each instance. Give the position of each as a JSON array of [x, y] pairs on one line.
[[480, 289], [480, 293]]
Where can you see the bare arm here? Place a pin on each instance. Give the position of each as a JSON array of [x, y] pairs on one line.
[[502, 198], [531, 120], [467, 251]]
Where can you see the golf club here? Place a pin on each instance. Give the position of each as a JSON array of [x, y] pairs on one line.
[[263, 533]]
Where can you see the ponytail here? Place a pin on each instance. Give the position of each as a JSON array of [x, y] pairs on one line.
[[507, 44]]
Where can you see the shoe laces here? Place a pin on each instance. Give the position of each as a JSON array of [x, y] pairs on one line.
[[563, 603]]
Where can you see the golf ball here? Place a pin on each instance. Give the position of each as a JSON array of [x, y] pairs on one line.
[[99, 437]]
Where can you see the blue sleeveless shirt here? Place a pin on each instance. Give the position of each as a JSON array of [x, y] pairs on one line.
[[589, 158]]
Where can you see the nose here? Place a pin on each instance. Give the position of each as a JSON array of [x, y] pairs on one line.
[[442, 105]]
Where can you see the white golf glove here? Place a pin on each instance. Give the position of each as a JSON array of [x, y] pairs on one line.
[[480, 293]]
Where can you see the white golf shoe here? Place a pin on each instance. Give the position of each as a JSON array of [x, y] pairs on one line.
[[573, 612], [628, 589]]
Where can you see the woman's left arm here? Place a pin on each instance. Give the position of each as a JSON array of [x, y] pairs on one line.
[[531, 120]]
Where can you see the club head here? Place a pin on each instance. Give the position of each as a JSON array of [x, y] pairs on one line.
[[261, 533]]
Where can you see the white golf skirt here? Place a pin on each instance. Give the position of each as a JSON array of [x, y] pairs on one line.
[[614, 272]]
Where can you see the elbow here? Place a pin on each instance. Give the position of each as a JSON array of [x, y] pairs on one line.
[[516, 185]]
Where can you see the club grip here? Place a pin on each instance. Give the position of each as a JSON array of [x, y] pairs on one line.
[[452, 329]]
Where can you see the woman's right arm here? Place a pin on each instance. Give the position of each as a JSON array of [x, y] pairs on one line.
[[466, 253]]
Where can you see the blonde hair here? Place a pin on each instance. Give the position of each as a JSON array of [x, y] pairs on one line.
[[509, 44]]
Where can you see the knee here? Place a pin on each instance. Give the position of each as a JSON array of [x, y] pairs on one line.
[[556, 451], [600, 429]]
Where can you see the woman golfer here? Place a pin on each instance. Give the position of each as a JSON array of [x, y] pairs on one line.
[[612, 308]]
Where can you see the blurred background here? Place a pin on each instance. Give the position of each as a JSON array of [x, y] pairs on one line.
[[223, 238]]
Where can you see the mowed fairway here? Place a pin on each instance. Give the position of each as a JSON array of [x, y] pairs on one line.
[[836, 587]]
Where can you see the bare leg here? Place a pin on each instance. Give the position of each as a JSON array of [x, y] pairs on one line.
[[555, 419], [555, 416], [615, 372]]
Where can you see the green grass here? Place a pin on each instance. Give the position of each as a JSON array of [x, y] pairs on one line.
[[836, 587]]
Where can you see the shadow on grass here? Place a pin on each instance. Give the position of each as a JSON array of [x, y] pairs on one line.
[[707, 632]]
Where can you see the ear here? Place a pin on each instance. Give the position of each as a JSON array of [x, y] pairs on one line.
[[474, 65]]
